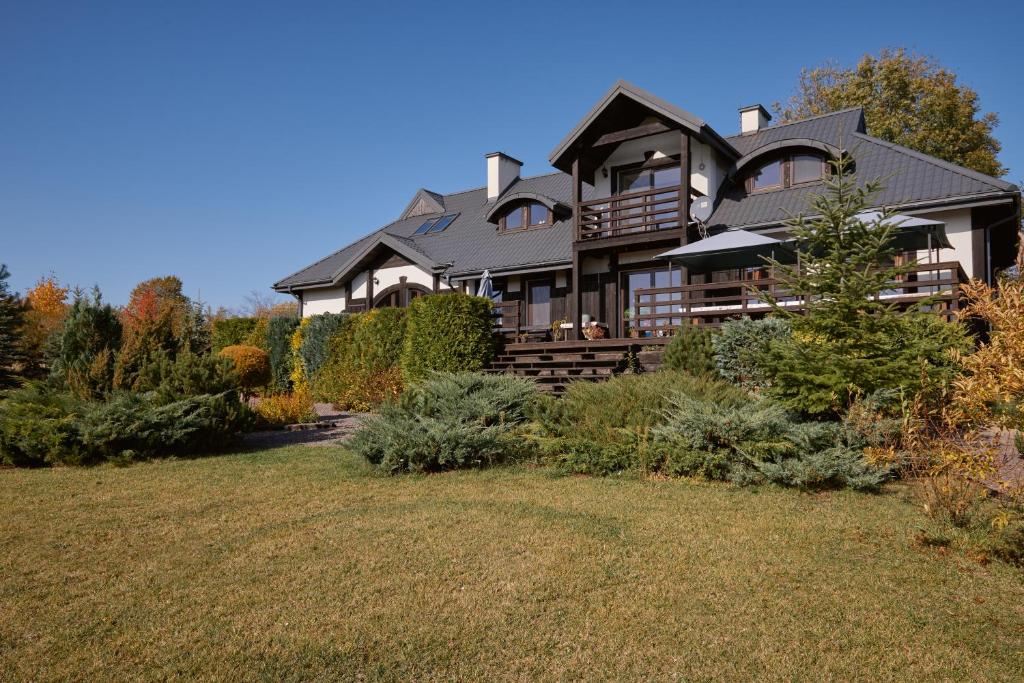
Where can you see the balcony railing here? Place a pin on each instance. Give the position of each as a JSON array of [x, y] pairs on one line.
[[659, 310], [628, 213]]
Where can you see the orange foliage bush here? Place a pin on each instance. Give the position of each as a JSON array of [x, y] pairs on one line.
[[284, 409], [252, 365], [47, 308], [365, 390]]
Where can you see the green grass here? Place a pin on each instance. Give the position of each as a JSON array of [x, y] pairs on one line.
[[300, 563]]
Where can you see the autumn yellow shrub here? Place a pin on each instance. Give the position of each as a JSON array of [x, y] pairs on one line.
[[252, 365], [284, 409]]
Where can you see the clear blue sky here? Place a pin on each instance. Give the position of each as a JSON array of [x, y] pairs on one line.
[[233, 143]]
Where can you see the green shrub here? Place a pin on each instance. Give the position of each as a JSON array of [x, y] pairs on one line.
[[362, 369], [41, 426], [315, 347], [251, 365], [740, 344], [584, 456], [448, 422], [625, 405], [690, 350], [232, 332], [187, 375], [447, 333], [279, 337], [139, 426], [83, 352], [37, 426], [762, 442]]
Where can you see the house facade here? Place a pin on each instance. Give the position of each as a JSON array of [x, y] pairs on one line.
[[639, 177]]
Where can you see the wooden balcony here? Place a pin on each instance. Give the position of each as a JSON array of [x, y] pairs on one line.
[[659, 311], [631, 213]]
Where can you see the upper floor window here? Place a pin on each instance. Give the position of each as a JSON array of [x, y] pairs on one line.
[[640, 179], [529, 215], [789, 171]]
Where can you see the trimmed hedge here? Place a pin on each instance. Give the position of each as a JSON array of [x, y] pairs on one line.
[[362, 370], [314, 349], [447, 333], [232, 332], [279, 338]]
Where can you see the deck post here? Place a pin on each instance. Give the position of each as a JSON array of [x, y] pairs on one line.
[[576, 297]]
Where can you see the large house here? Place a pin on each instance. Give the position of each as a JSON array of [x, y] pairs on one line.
[[639, 177]]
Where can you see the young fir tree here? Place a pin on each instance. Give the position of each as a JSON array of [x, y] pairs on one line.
[[12, 321], [849, 342], [84, 350], [691, 351]]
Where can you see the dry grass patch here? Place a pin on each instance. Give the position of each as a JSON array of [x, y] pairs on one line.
[[300, 563]]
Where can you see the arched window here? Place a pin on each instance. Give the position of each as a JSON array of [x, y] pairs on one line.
[[399, 296], [788, 171], [528, 215]]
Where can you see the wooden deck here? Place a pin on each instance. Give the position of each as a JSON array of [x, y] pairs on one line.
[[553, 365]]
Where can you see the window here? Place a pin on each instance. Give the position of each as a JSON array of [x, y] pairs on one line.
[[538, 303], [432, 225], [531, 215], [649, 303], [789, 171], [639, 179], [807, 168], [767, 177]]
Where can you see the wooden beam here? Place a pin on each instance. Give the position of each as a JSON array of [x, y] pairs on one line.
[[576, 298], [643, 131], [684, 199]]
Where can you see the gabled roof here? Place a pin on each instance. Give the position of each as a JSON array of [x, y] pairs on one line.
[[424, 202], [626, 105]]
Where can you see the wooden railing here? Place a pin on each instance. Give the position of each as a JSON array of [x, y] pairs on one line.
[[506, 317], [658, 311], [628, 213]]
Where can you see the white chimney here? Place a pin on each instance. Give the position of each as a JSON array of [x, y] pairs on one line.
[[753, 118], [502, 171]]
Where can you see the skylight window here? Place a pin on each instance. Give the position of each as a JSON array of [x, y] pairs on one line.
[[432, 225], [425, 228], [443, 222]]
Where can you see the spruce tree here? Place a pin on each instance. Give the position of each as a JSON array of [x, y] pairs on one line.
[[848, 341], [12, 321], [691, 351]]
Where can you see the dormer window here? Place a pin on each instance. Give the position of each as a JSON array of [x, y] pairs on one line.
[[529, 215], [789, 171]]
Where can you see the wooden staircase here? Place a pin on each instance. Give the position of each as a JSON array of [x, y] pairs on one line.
[[553, 365]]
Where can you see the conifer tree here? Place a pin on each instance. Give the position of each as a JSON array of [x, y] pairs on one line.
[[12, 320], [849, 341], [691, 351]]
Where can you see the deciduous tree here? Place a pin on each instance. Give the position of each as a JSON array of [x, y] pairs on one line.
[[908, 99]]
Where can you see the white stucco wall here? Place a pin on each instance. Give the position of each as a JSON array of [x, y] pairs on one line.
[[968, 245], [387, 277], [326, 300], [706, 180]]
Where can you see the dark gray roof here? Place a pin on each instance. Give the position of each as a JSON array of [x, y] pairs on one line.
[[471, 244], [909, 177]]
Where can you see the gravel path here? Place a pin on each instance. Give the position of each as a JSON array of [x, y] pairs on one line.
[[336, 427]]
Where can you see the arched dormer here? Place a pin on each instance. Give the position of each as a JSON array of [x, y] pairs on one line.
[[521, 210], [784, 164]]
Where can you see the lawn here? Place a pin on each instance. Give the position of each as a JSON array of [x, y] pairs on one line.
[[300, 563]]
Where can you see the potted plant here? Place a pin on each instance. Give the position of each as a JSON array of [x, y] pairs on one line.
[[627, 316], [557, 331], [593, 331]]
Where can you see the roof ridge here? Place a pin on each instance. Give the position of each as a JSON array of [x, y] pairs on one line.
[[941, 163], [520, 179], [847, 110]]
